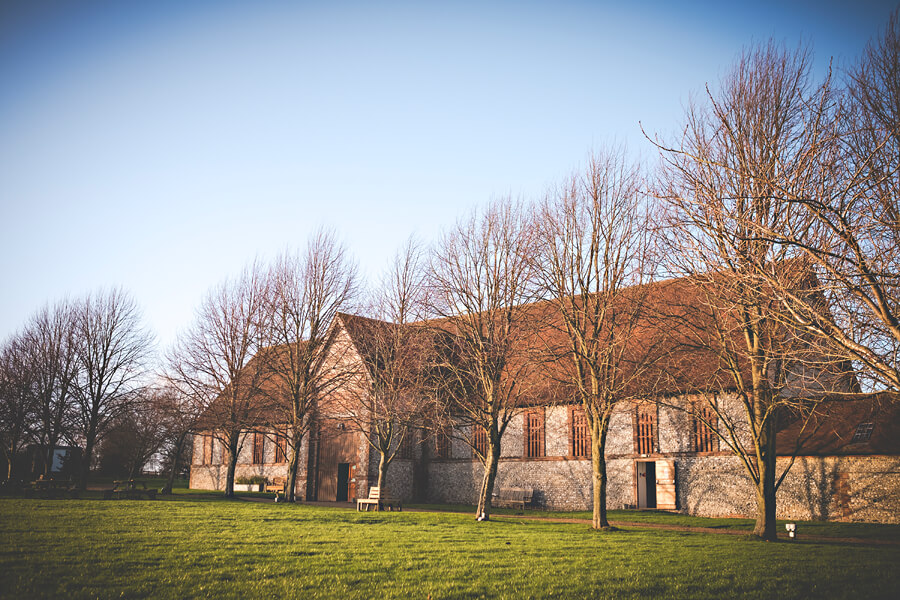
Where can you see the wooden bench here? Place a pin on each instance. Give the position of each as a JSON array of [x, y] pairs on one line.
[[277, 485], [512, 497], [378, 500]]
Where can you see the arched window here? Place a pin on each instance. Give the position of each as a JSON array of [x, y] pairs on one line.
[[442, 445], [406, 445]]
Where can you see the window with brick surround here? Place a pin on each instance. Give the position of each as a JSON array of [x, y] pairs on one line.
[[645, 429], [442, 445], [207, 450], [479, 440], [579, 432], [281, 447], [705, 439], [406, 445], [534, 433], [259, 445]]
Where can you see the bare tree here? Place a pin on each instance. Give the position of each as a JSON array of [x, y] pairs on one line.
[[17, 400], [50, 341], [137, 434], [305, 294], [111, 349], [213, 362], [390, 397], [481, 273], [848, 233], [868, 225], [180, 415], [755, 144], [596, 254]]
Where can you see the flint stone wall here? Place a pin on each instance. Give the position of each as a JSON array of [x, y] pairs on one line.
[[710, 486], [212, 477]]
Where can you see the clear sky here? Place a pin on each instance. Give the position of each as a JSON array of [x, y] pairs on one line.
[[161, 146]]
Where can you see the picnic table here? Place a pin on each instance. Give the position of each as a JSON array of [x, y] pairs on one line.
[[127, 489], [51, 488]]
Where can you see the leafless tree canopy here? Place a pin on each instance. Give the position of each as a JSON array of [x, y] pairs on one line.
[[111, 350], [390, 399], [51, 341], [136, 435], [595, 256], [759, 141], [481, 272], [179, 415], [17, 401], [71, 372], [848, 230], [213, 362], [306, 292]]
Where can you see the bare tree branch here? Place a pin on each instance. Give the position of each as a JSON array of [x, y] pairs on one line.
[[481, 272], [112, 348], [306, 293], [761, 140], [596, 254], [213, 362]]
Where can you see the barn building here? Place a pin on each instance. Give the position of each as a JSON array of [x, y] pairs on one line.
[[844, 462]]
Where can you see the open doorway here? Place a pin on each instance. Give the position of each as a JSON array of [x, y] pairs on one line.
[[336, 465], [646, 484], [343, 482]]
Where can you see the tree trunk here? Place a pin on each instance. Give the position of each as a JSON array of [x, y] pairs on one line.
[[765, 489], [598, 464], [290, 493], [383, 464], [173, 468], [232, 465], [490, 475], [86, 461]]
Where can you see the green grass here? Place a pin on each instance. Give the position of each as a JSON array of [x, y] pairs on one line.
[[870, 531], [186, 548]]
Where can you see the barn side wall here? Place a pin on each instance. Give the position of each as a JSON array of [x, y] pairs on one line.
[[212, 476], [714, 484]]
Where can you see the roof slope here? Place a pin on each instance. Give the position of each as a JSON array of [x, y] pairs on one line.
[[833, 426]]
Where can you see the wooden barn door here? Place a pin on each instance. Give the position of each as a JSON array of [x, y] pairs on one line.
[[336, 447], [665, 485]]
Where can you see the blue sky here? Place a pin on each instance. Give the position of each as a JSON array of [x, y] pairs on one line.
[[160, 146]]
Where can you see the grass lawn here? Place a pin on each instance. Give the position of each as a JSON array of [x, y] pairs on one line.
[[870, 531], [187, 548]]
